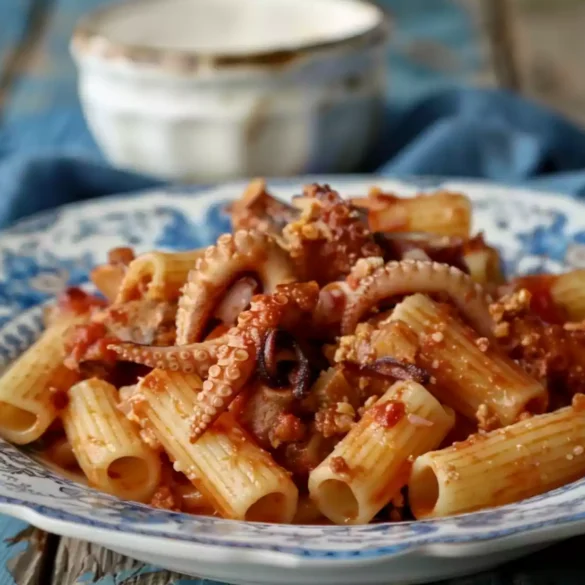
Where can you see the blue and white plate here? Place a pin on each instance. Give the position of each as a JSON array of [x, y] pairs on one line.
[[39, 256]]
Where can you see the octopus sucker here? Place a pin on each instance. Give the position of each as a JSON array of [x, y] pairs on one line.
[[196, 358], [329, 236], [226, 363], [245, 253], [241, 355], [221, 387], [266, 313], [412, 276], [259, 210]]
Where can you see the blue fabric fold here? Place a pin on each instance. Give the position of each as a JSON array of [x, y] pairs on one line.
[[36, 183], [484, 134], [454, 133]]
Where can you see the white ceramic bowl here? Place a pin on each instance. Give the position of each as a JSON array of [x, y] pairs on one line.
[[214, 89]]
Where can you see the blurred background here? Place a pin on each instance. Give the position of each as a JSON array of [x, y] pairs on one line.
[[534, 47]]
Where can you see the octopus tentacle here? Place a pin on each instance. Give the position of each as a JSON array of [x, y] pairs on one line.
[[195, 358], [376, 283], [247, 251], [336, 296], [237, 359], [268, 366], [259, 210], [225, 380], [229, 361], [333, 300], [328, 237]]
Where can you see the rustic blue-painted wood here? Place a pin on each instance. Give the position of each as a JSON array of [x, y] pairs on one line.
[[22, 550]]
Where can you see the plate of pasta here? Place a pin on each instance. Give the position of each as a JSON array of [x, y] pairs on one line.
[[329, 380]]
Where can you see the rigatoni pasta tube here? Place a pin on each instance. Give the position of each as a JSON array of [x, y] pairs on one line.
[[108, 278], [471, 375], [568, 291], [484, 265], [507, 465], [107, 445], [237, 477], [31, 388], [372, 462], [443, 212], [157, 276]]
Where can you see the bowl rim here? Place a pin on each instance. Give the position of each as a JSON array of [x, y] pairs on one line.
[[88, 40]]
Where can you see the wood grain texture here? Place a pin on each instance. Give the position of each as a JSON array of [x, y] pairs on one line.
[[79, 562], [500, 26], [552, 53], [17, 55], [24, 551]]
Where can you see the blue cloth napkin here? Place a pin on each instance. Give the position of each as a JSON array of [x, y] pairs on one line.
[[465, 133]]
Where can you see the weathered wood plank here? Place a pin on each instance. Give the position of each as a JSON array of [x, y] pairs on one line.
[[14, 19], [500, 27], [552, 53], [537, 48], [32, 25], [79, 562], [24, 553]]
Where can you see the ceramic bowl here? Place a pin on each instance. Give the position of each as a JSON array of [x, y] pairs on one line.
[[38, 257], [213, 89]]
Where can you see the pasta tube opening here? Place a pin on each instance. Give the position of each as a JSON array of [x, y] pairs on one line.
[[507, 465], [424, 489], [29, 386], [238, 478], [337, 500], [372, 463], [106, 445], [126, 472], [16, 421], [158, 276], [131, 477], [269, 508]]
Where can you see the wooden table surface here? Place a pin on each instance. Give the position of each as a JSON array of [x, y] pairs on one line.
[[435, 43]]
